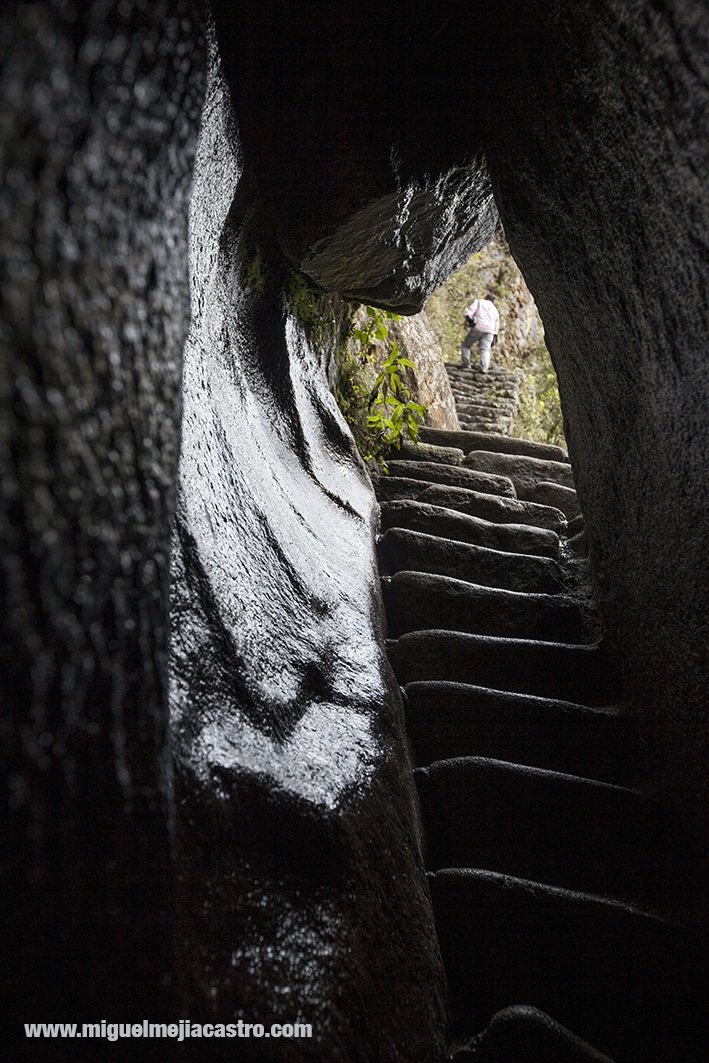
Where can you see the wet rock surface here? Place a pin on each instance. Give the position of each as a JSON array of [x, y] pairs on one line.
[[291, 766]]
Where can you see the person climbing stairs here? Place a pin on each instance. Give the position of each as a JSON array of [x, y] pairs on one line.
[[557, 898]]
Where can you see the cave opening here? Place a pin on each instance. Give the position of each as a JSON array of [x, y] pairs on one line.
[[211, 808]]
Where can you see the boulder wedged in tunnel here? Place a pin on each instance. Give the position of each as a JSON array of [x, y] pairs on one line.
[[381, 210]]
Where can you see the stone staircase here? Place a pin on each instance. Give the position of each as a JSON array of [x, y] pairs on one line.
[[485, 402], [555, 881]]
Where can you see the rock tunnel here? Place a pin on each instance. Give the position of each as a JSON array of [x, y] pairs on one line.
[[210, 810]]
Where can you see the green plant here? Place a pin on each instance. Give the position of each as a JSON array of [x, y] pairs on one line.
[[539, 416], [372, 394], [394, 414]]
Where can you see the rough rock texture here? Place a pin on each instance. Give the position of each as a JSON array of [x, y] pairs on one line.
[[287, 724], [525, 472], [609, 142], [292, 781], [384, 194], [295, 830], [99, 117], [429, 381]]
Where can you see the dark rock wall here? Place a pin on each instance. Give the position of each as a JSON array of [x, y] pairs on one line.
[[99, 108], [598, 153], [277, 873], [302, 894]]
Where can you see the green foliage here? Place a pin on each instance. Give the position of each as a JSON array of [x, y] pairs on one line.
[[377, 405], [394, 414], [539, 416]]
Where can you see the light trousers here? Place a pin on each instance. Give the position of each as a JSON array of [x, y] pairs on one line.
[[484, 340]]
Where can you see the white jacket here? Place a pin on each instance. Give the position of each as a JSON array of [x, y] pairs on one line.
[[487, 318]]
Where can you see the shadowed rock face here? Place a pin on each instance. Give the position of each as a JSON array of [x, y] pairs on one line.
[[301, 878], [596, 159], [276, 873], [100, 112]]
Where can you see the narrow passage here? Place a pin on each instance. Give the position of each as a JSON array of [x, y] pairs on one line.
[[552, 875]]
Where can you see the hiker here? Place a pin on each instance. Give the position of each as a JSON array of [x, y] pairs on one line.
[[483, 321]]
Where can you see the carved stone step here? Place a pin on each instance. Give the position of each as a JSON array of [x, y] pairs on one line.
[[453, 476], [417, 601], [553, 494], [473, 372], [447, 720], [478, 504], [398, 488], [524, 472], [546, 669], [461, 527], [560, 829], [400, 549], [499, 424], [423, 451], [522, 1034], [627, 982], [467, 441], [502, 510], [498, 394], [485, 411]]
